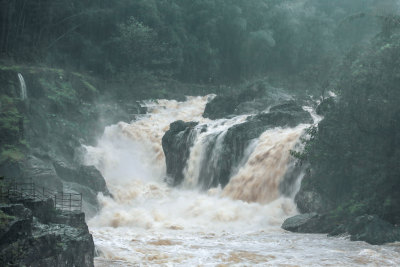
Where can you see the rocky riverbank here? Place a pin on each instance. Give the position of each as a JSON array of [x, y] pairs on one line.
[[33, 233]]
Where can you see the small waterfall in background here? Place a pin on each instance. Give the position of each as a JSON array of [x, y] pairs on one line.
[[24, 93]]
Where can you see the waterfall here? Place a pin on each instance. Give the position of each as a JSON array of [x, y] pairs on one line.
[[201, 221], [259, 179], [23, 92], [131, 158], [205, 156]]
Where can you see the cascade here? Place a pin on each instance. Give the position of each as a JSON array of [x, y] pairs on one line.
[[23, 92], [203, 219]]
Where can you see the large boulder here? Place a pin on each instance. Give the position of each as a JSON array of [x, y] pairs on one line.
[[27, 240], [302, 223], [176, 144], [87, 176]]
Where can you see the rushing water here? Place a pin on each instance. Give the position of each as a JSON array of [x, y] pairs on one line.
[[147, 223], [23, 91]]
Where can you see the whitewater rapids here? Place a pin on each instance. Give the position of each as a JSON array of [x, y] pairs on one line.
[[148, 223]]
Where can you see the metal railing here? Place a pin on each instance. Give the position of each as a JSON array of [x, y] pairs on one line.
[[13, 191]]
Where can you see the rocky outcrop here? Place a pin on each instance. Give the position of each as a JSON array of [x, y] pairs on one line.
[[176, 144], [255, 98], [311, 201], [302, 223], [327, 105], [34, 234], [368, 228], [217, 169]]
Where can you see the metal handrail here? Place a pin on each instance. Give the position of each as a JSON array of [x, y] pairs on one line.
[[62, 201]]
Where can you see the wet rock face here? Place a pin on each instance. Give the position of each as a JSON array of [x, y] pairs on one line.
[[257, 97], [33, 234], [311, 201], [217, 169], [63, 111], [176, 144], [303, 223], [368, 228]]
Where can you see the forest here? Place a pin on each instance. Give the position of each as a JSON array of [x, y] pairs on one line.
[[193, 41], [94, 66]]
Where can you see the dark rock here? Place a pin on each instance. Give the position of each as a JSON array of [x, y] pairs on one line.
[[176, 144], [62, 241], [42, 173], [302, 223], [74, 219], [326, 106], [310, 223], [257, 97], [92, 178], [43, 210], [85, 175], [310, 201], [220, 107], [372, 229], [368, 228], [15, 223]]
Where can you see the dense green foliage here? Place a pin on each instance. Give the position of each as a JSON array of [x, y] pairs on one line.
[[209, 41], [355, 153]]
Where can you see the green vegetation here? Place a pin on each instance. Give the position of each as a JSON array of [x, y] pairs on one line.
[[354, 155], [59, 91], [4, 220], [12, 153], [211, 41], [12, 141]]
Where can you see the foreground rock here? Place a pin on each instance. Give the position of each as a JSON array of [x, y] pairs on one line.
[[34, 234], [368, 228]]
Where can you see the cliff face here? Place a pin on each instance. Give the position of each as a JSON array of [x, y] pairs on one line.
[[33, 233], [41, 134]]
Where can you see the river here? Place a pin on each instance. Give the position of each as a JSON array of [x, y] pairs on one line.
[[148, 223]]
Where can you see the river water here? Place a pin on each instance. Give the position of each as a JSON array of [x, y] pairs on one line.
[[148, 223]]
